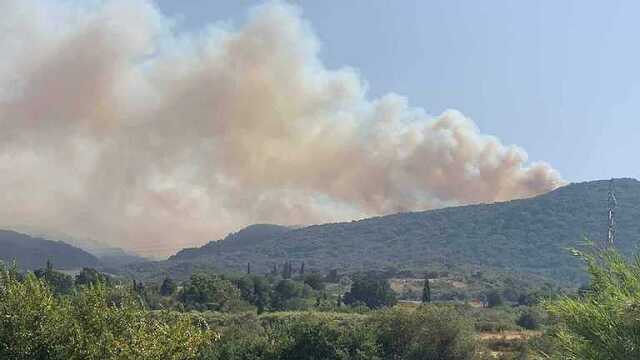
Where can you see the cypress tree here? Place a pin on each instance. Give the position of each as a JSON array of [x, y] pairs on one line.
[[426, 291], [286, 270]]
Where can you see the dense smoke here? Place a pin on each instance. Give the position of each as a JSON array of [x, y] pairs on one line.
[[116, 127]]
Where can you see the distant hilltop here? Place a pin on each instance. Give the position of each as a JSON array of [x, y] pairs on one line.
[[528, 235], [33, 252]]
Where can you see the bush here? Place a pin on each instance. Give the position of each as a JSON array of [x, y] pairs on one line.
[[531, 319], [34, 324], [370, 290], [209, 292], [58, 282], [493, 320], [605, 322], [314, 280], [292, 336], [318, 337], [430, 332], [494, 298], [288, 295]]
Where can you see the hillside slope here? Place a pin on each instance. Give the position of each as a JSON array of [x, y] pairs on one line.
[[33, 253], [529, 235]]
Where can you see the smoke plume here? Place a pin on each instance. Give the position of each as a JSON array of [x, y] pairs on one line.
[[117, 127]]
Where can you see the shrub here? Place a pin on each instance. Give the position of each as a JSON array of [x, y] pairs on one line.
[[605, 322], [34, 324], [297, 336], [210, 292], [531, 319], [430, 332], [370, 290], [497, 319], [318, 337], [494, 298]]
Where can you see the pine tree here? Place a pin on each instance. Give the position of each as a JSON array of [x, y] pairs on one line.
[[426, 291], [248, 268], [286, 270], [302, 268]]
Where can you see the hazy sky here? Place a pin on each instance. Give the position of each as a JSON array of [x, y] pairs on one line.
[[559, 78]]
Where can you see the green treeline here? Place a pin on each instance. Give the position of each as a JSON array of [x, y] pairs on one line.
[[50, 315], [101, 321]]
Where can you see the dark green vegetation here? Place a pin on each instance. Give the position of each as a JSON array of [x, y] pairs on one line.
[[297, 309], [49, 315], [96, 322], [32, 253], [370, 291], [213, 317], [604, 322], [527, 236], [430, 332]]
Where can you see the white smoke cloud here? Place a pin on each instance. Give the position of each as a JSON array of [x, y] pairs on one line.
[[113, 126]]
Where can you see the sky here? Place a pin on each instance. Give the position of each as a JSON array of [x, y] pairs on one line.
[[158, 125], [559, 78]]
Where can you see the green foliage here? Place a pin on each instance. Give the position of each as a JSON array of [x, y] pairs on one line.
[[90, 276], [209, 292], [527, 236], [318, 337], [34, 324], [287, 270], [493, 319], [59, 283], [494, 298], [168, 287], [261, 294], [430, 332], [110, 322], [296, 336], [288, 294], [426, 291], [532, 318], [371, 291], [605, 322], [314, 280]]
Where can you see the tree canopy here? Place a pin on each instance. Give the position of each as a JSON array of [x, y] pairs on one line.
[[371, 291], [603, 323]]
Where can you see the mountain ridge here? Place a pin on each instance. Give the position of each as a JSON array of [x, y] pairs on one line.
[[31, 253], [529, 235]]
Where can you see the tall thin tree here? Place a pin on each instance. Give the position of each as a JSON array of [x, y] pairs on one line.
[[426, 291]]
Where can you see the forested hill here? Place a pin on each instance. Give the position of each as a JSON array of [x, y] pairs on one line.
[[530, 235], [33, 253]]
